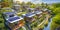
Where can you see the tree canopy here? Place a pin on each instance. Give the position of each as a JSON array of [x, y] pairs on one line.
[[56, 19]]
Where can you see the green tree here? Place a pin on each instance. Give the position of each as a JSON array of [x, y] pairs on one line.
[[57, 11], [42, 4], [23, 3], [55, 22], [29, 3], [33, 6], [55, 8], [56, 19]]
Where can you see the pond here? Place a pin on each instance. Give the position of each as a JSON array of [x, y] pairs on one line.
[[48, 26]]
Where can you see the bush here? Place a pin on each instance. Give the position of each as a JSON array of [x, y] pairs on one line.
[[55, 22]]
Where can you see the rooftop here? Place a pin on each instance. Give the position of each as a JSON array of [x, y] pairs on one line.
[[45, 9], [30, 15], [30, 8], [9, 13], [14, 19], [38, 12]]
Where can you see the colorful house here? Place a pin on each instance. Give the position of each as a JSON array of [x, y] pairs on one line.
[[12, 21], [29, 18]]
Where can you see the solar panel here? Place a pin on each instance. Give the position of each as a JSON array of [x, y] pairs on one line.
[[13, 18], [29, 14], [9, 13]]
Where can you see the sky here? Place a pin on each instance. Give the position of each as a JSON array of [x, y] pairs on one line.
[[50, 1], [40, 1]]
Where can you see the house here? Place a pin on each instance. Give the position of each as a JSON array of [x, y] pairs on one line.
[[29, 18], [13, 22], [30, 9], [16, 7], [24, 7], [9, 14], [30, 14], [44, 10], [38, 13]]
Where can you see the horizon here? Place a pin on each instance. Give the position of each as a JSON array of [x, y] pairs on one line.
[[40, 1]]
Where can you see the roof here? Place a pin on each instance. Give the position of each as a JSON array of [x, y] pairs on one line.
[[45, 9], [9, 13], [38, 12], [14, 19], [30, 8], [16, 5], [30, 15]]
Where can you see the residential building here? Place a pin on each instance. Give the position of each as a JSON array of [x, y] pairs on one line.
[[12, 21]]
